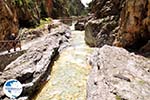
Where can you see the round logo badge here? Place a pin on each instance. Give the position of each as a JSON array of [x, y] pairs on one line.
[[12, 88]]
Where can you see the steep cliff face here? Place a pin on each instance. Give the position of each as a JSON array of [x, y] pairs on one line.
[[8, 19], [21, 13], [134, 24], [63, 8], [101, 29], [30, 11], [75, 7], [59, 9], [123, 23], [27, 13], [104, 8]]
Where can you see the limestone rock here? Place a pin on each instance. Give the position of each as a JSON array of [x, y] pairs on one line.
[[118, 75], [101, 31], [65, 8], [104, 8], [8, 20], [79, 26], [27, 13], [101, 28], [134, 24], [6, 59], [33, 67]]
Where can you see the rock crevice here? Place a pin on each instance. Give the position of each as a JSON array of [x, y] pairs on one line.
[[33, 67]]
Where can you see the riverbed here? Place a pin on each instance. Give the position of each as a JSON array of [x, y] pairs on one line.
[[69, 73]]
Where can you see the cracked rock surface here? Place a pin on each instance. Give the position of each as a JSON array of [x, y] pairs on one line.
[[33, 67], [118, 75]]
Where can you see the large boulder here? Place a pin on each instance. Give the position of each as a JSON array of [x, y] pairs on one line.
[[79, 25], [101, 31], [101, 28], [33, 67], [118, 75]]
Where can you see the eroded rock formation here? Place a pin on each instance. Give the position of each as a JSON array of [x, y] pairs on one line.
[[27, 13], [8, 20], [18, 13], [65, 8], [6, 59], [123, 23], [118, 75], [33, 67], [134, 24], [101, 29]]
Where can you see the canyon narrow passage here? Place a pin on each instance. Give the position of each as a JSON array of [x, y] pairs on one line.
[[69, 73]]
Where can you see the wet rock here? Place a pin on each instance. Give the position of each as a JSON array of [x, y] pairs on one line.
[[33, 67], [118, 75], [70, 71], [101, 28]]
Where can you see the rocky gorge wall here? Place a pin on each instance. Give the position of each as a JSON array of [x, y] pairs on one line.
[[116, 73], [101, 28], [123, 23], [27, 13], [8, 19], [21, 13], [134, 24]]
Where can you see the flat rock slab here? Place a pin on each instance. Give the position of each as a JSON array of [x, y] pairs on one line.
[[118, 75], [33, 67]]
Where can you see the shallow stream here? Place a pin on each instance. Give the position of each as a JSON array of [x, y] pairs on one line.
[[69, 73]]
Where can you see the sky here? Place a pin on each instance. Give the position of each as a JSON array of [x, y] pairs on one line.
[[85, 2]]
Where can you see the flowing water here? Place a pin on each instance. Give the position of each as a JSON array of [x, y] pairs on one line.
[[69, 73]]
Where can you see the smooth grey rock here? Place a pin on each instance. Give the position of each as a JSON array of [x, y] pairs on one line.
[[118, 75]]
